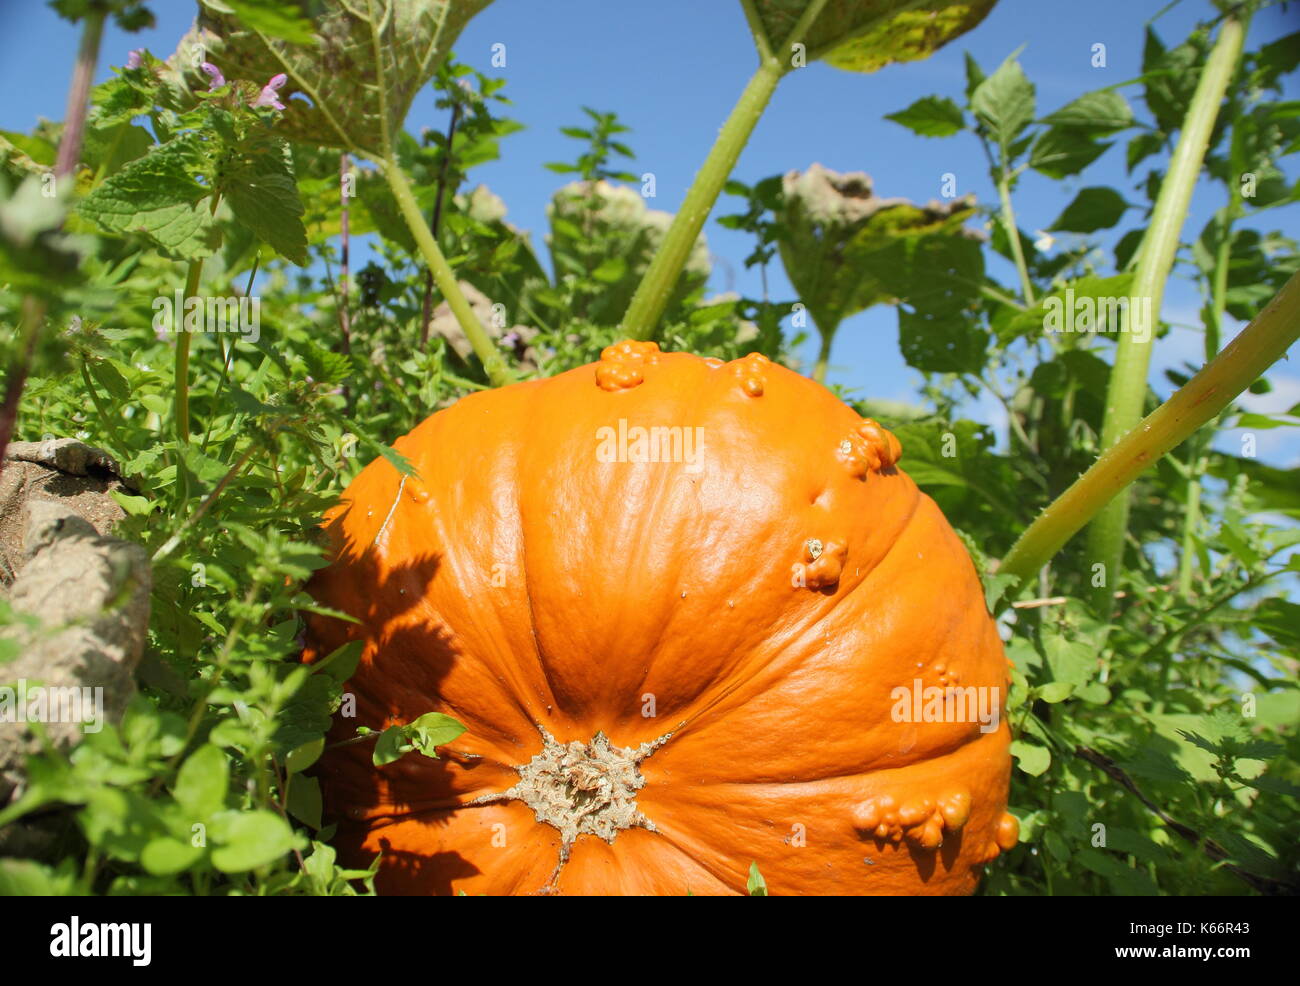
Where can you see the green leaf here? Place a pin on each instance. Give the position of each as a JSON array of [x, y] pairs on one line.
[[304, 801], [845, 248], [135, 506], [1070, 301], [942, 342], [931, 116], [756, 885], [35, 256], [273, 18], [1072, 661], [304, 756], [249, 839], [26, 878], [202, 781], [1103, 112], [995, 586], [1170, 76], [1093, 208], [388, 748], [366, 62], [1004, 103], [866, 35], [1031, 758], [432, 730], [165, 856], [157, 197], [1059, 153], [610, 270], [1055, 691], [1141, 147], [263, 195], [341, 664]]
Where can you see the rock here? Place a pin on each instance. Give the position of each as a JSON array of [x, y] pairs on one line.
[[63, 470], [80, 600]]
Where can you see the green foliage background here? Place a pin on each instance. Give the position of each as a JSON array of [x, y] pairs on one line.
[[1173, 726]]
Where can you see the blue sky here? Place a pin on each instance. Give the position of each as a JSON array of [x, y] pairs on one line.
[[672, 70]]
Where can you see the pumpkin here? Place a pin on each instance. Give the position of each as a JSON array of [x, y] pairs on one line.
[[693, 618]]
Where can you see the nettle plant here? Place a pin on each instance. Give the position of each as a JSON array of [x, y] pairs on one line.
[[1141, 738]]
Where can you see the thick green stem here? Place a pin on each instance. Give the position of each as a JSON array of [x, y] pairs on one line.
[[823, 358], [1128, 384], [181, 394], [1013, 237], [494, 365], [647, 305], [1259, 346]]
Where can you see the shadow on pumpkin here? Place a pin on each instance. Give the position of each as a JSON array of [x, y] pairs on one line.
[[410, 873], [397, 681], [926, 861]]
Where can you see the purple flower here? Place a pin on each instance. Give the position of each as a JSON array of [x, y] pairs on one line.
[[133, 58], [218, 80], [510, 339], [269, 96]]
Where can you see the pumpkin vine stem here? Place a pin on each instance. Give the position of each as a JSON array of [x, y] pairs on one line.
[[647, 306], [1127, 391], [1261, 344], [494, 364]]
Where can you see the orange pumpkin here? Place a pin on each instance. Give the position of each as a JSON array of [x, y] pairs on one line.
[[676, 651]]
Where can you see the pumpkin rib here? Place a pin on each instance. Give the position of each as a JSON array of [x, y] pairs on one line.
[[769, 665], [516, 685], [542, 664], [710, 377], [726, 729], [760, 662], [720, 813], [702, 859]]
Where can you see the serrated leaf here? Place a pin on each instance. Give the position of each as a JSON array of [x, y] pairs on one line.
[[1059, 153], [1071, 661], [263, 195], [1093, 208], [1004, 102], [367, 61], [1102, 112], [931, 116], [158, 198]]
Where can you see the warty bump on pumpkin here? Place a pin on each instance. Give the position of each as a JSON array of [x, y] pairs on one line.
[[676, 652]]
